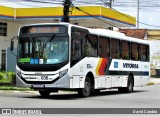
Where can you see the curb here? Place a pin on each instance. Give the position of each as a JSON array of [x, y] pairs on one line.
[[13, 91], [155, 80]]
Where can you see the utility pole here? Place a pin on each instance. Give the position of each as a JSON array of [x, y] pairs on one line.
[[137, 14], [67, 4], [110, 4]]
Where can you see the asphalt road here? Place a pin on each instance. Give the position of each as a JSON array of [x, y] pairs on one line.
[[143, 97]]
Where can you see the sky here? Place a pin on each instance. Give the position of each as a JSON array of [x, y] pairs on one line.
[[149, 10]]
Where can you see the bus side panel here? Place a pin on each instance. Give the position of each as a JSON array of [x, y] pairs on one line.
[[104, 80], [117, 77], [108, 81], [101, 82], [93, 65], [137, 81], [97, 67], [82, 68], [145, 72], [135, 68], [124, 80], [63, 82]]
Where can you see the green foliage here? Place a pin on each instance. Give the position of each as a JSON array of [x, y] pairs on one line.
[[1, 76], [6, 77], [8, 80], [155, 76], [150, 83], [15, 88]]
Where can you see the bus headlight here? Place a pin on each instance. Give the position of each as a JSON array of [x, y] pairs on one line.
[[18, 73], [62, 73]]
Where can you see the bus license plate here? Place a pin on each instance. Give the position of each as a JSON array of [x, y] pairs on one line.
[[38, 85]]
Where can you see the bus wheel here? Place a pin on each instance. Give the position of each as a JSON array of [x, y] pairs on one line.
[[130, 85], [44, 93], [85, 92], [129, 88]]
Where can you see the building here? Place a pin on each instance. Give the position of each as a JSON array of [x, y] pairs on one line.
[[90, 16], [136, 33], [154, 38]]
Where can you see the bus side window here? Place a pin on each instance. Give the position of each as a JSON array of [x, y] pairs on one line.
[[78, 36], [91, 47], [104, 46], [125, 50], [76, 49], [143, 52], [148, 53], [134, 51], [114, 48]]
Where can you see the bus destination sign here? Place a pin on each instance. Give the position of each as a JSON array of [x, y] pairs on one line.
[[43, 29]]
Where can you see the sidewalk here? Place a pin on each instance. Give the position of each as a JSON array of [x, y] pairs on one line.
[[155, 80]]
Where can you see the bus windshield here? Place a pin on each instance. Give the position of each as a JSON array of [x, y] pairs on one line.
[[42, 49]]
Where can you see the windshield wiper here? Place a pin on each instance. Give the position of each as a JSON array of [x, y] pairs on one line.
[[49, 40]]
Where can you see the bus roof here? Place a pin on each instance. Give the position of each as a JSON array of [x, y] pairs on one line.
[[99, 32], [117, 35], [37, 24]]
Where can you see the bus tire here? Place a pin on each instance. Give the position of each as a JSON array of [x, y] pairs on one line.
[[85, 92], [44, 93], [130, 84], [129, 88]]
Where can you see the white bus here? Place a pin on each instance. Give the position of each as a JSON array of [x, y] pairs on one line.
[[61, 56]]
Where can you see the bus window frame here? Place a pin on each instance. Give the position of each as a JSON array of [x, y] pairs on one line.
[[148, 53], [129, 49], [109, 53], [137, 51], [119, 50], [141, 53], [73, 62]]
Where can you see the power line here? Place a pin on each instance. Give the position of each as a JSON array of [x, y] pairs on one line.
[[77, 9], [21, 3], [60, 2], [131, 18], [94, 16], [24, 2], [37, 1]]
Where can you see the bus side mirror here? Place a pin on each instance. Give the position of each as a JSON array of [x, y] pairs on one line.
[[12, 45]]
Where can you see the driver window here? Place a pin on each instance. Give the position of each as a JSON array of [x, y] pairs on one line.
[[78, 37], [76, 49]]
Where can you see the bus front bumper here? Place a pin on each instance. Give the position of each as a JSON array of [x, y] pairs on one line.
[[63, 82]]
